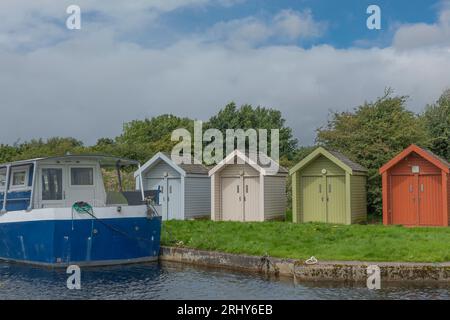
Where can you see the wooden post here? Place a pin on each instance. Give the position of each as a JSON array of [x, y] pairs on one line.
[[386, 217], [213, 197], [445, 198], [348, 198], [294, 197]]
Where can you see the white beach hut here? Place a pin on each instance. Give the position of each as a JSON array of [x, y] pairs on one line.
[[185, 189], [247, 191]]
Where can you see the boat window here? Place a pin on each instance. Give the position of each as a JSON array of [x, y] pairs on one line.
[[2, 178], [19, 178], [52, 184], [82, 176]]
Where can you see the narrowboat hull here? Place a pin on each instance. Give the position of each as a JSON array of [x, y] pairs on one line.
[[60, 237]]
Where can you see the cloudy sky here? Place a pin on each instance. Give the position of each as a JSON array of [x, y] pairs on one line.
[[136, 59]]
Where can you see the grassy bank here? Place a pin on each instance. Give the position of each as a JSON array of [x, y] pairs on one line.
[[301, 241]]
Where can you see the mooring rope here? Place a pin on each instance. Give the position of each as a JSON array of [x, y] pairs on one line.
[[84, 207]]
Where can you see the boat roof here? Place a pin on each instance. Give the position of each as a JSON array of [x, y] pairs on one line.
[[104, 160]]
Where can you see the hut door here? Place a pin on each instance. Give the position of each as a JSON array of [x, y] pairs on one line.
[[173, 199], [232, 199], [404, 200], [430, 200], [314, 199], [251, 199], [336, 204]]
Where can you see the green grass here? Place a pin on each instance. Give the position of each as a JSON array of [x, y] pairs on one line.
[[301, 241]]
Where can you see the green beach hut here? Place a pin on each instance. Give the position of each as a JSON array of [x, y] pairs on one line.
[[329, 187]]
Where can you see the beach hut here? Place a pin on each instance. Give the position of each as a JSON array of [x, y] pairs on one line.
[[416, 189], [329, 187], [246, 190], [184, 189]]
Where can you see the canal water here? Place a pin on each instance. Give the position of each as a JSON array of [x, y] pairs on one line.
[[175, 281]]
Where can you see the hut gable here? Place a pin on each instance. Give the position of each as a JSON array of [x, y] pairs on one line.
[[335, 157]]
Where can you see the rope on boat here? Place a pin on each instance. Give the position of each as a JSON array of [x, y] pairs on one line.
[[84, 207]]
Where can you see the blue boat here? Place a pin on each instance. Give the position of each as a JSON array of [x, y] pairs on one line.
[[56, 211]]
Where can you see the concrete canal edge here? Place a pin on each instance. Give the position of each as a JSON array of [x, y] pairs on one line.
[[321, 271]]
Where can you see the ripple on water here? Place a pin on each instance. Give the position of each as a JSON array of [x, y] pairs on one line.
[[173, 281]]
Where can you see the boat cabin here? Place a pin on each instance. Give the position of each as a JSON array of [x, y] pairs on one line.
[[58, 182]]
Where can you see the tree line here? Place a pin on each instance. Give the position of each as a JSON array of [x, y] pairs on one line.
[[370, 134]]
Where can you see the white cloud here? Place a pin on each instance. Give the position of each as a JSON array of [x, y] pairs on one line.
[[29, 24], [285, 26], [296, 25], [424, 35], [248, 31]]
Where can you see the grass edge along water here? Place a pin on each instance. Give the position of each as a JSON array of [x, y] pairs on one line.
[[301, 241]]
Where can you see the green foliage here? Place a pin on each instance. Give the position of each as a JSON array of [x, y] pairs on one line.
[[437, 122], [153, 130], [371, 135], [248, 117], [37, 148], [111, 180], [8, 153], [141, 139], [301, 241]]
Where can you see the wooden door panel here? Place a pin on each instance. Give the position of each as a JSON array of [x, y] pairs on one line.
[[232, 205], [404, 197], [430, 200], [251, 199], [314, 199], [174, 199], [336, 201]]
